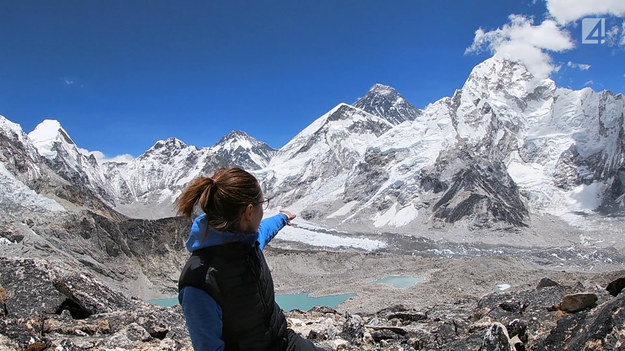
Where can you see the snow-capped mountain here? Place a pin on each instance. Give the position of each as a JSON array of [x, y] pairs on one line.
[[241, 149], [507, 144], [75, 165], [504, 147], [30, 187], [146, 186], [312, 168], [21, 169], [384, 101], [474, 159]]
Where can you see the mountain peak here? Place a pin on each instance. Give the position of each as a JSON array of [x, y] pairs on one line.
[[47, 134], [384, 101], [496, 67], [48, 131], [169, 143], [244, 150], [236, 139], [382, 89], [498, 79], [10, 127], [496, 74], [235, 135]]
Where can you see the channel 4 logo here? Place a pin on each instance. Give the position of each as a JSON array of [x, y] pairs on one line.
[[593, 31]]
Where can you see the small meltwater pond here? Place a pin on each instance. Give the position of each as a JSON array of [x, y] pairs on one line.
[[287, 302], [304, 301], [401, 281]]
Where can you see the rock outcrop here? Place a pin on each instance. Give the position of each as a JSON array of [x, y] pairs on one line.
[[51, 305], [48, 305]]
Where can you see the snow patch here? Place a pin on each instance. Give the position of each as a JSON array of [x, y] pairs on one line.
[[343, 210], [586, 197], [502, 286], [314, 238], [396, 218], [18, 195]]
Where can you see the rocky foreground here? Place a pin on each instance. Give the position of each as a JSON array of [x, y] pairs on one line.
[[46, 305]]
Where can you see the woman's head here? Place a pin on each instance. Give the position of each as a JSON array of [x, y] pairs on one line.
[[231, 198]]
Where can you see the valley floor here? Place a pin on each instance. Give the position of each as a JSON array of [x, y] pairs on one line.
[[448, 277]]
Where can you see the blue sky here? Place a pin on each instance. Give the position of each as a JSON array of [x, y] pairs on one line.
[[120, 75]]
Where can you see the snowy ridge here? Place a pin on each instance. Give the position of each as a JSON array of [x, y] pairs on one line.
[[505, 146], [46, 135], [313, 167], [396, 157], [571, 158], [69, 161], [11, 129], [14, 133], [19, 168], [244, 150]]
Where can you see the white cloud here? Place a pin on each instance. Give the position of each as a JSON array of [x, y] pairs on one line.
[[102, 158], [565, 11], [521, 40], [623, 33], [581, 66], [72, 82], [589, 83], [612, 36]]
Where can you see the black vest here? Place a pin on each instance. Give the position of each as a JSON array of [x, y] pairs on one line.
[[238, 278]]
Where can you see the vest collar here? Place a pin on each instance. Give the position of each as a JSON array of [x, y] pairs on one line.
[[202, 236]]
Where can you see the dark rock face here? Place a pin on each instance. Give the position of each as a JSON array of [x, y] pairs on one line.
[[497, 339], [28, 287], [481, 193], [386, 102], [354, 329], [615, 287], [600, 329], [231, 148], [359, 187], [139, 247], [51, 305]]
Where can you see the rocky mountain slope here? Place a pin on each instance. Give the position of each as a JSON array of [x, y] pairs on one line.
[[504, 148], [147, 186], [46, 216], [48, 305]]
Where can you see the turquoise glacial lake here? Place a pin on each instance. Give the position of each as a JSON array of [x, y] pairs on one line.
[[304, 301], [401, 281], [287, 302]]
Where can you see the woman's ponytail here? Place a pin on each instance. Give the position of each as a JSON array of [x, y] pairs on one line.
[[222, 197], [198, 191]]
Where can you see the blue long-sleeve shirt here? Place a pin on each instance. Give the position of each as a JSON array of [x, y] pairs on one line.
[[201, 311]]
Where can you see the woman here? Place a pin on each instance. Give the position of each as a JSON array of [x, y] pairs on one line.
[[225, 289]]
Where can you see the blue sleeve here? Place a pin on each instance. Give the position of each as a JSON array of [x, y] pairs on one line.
[[203, 317], [269, 227]]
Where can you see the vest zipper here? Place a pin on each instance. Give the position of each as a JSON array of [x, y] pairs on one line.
[[256, 270]]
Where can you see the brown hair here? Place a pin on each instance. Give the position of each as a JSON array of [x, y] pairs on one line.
[[222, 197]]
